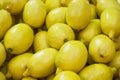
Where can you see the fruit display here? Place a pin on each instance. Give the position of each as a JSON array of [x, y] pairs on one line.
[[59, 40]]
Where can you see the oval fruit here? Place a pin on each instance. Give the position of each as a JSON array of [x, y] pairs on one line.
[[18, 38], [72, 56]]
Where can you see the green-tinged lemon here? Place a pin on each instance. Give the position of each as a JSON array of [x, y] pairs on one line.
[[5, 22], [34, 13], [93, 11], [17, 65], [58, 34], [97, 72], [102, 49], [42, 63], [72, 56], [56, 15], [67, 75], [18, 38]]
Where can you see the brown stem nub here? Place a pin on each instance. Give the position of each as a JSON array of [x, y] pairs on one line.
[[9, 50], [101, 55], [65, 40]]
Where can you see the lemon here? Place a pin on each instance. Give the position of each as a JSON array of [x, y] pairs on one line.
[[18, 38], [28, 78], [5, 22], [115, 61], [52, 4], [104, 4], [42, 63], [58, 34], [117, 43], [50, 77], [110, 22], [102, 49], [40, 41], [97, 72], [93, 11], [67, 75], [93, 29], [14, 6], [67, 2], [2, 76], [56, 15], [78, 14], [34, 13], [72, 56], [2, 54], [17, 66]]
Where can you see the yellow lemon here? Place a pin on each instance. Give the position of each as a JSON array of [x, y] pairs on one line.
[[56, 15], [52, 4], [2, 54], [13, 6], [34, 13], [72, 56], [50, 77], [18, 38], [97, 72], [102, 49], [110, 22], [42, 63], [67, 75], [78, 14], [28, 78], [58, 34], [5, 22], [40, 41], [2, 76], [17, 66], [90, 31], [104, 4]]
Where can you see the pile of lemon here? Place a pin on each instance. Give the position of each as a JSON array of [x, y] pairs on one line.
[[59, 39]]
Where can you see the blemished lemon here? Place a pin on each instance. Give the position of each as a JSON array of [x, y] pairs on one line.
[[40, 41], [67, 75], [34, 13], [56, 15], [58, 34], [18, 38], [78, 14], [102, 49], [2, 54], [72, 56], [92, 29], [5, 22], [13, 6], [42, 63], [28, 78], [2, 76], [17, 65], [97, 72], [110, 22], [52, 4]]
